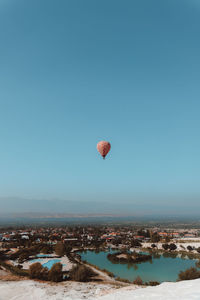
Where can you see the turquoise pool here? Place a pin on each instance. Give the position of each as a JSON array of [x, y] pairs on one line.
[[43, 255], [160, 268], [50, 263]]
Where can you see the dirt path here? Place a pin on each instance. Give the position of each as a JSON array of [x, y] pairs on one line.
[[7, 276], [102, 275]]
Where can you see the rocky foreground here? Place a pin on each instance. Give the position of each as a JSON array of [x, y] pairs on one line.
[[32, 290]]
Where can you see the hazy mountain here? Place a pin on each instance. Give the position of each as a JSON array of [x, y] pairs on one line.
[[53, 207]]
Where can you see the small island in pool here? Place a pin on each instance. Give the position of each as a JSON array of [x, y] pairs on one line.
[[126, 257]]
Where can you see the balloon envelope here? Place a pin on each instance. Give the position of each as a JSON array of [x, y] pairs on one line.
[[103, 147]]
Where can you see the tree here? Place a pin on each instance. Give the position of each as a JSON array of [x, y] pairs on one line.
[[81, 273], [55, 274], [153, 283], [155, 238], [189, 248], [60, 249], [3, 255], [189, 274], [167, 239], [144, 233], [35, 270], [138, 281], [23, 256], [135, 243], [68, 249], [165, 246], [172, 247], [183, 247], [147, 233], [45, 250]]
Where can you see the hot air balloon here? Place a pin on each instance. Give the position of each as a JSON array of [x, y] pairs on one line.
[[103, 147]]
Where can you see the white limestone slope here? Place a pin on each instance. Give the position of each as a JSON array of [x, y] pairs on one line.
[[34, 290], [31, 290], [184, 290]]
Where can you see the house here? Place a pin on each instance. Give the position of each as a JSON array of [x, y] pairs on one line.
[[25, 237]]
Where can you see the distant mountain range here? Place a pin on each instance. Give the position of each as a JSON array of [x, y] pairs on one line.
[[19, 208], [35, 215]]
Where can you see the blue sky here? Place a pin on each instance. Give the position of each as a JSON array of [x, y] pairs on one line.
[[76, 72]]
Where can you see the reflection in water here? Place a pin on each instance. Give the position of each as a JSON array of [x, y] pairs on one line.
[[132, 265], [156, 255], [184, 256], [197, 264], [174, 255], [129, 265], [167, 254], [135, 267]]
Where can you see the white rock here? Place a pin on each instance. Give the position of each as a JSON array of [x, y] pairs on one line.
[[32, 290]]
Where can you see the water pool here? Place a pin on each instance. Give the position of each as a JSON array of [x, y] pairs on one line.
[[161, 268], [44, 255], [47, 264], [50, 263]]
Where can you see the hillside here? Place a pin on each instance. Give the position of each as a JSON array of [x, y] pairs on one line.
[[23, 290]]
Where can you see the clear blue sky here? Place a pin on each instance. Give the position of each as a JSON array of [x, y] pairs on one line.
[[76, 72]]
